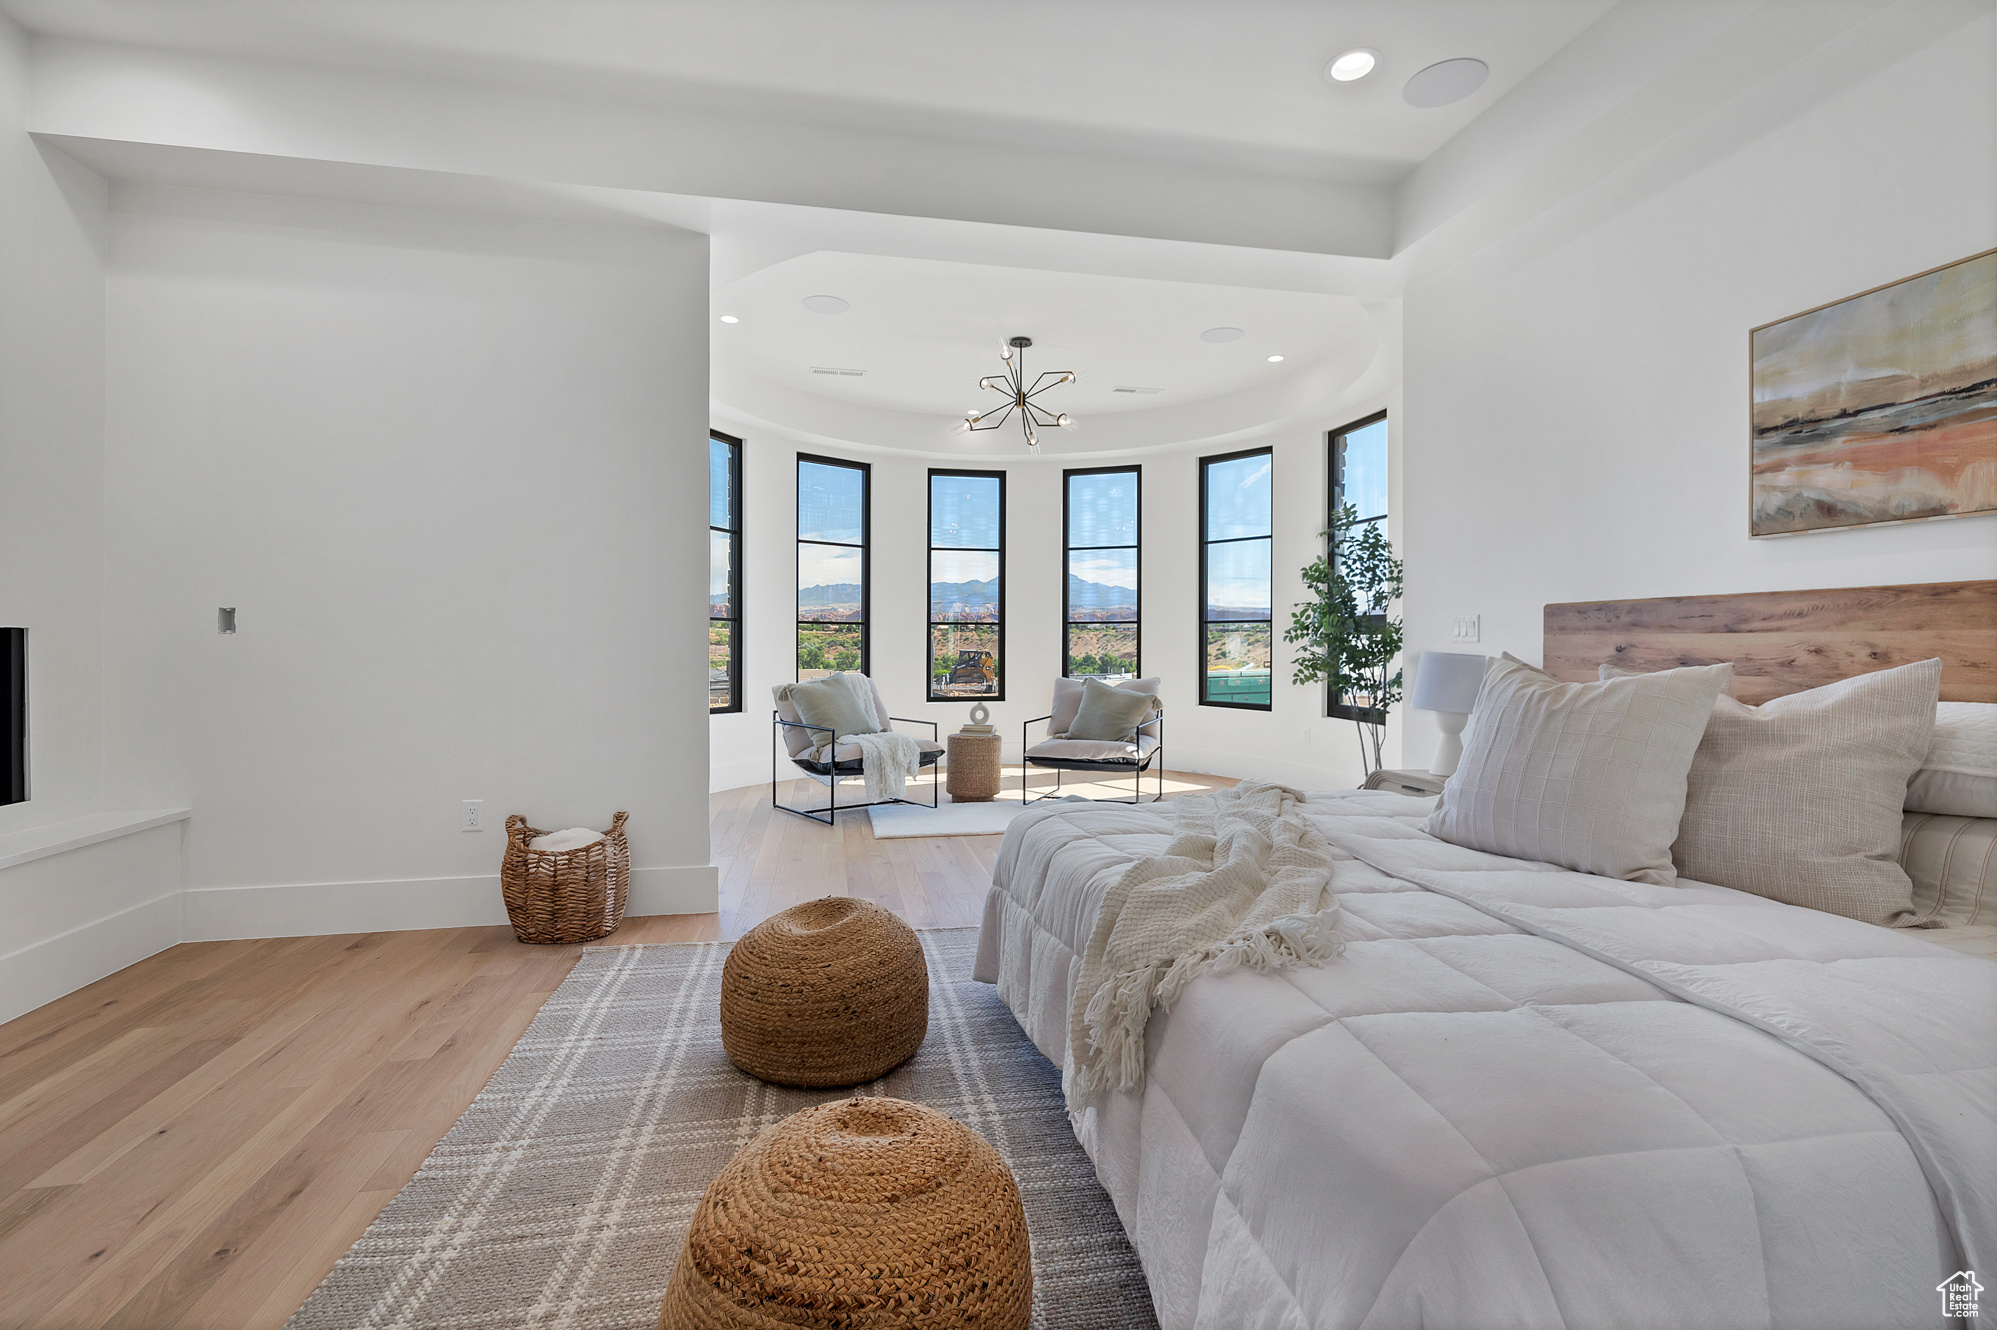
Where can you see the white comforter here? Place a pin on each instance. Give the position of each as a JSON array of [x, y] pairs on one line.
[[1528, 1097]]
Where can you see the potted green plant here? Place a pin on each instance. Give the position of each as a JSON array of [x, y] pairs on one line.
[[1344, 636]]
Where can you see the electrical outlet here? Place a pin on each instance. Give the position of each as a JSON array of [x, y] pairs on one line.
[[474, 816], [1467, 628]]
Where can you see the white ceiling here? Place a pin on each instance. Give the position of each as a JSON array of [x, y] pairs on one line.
[[1195, 81], [962, 172], [926, 331]]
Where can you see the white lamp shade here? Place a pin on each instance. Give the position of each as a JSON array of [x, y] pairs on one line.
[[1448, 681]]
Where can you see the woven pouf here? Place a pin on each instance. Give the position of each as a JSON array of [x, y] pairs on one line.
[[859, 1214], [830, 992]]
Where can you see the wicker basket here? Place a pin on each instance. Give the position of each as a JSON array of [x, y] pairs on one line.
[[831, 992], [870, 1213], [565, 895]]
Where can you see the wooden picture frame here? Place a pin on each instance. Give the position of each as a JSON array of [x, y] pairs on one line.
[[1877, 408]]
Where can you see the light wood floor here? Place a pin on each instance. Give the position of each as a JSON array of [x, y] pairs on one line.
[[193, 1141]]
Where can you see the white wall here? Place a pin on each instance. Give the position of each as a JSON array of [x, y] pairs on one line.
[[1576, 394], [51, 448], [69, 918], [450, 471]]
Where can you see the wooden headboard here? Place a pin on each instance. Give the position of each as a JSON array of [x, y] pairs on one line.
[[1785, 641]]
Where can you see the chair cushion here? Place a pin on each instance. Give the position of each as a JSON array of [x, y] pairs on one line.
[[1109, 713], [847, 756], [846, 703], [1068, 699], [1094, 750]]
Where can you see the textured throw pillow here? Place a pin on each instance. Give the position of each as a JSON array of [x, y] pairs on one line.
[[1589, 776], [1068, 700], [1110, 714], [1959, 775], [1799, 799], [833, 702], [1952, 862]]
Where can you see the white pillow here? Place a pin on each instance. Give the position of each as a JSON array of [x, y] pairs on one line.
[[573, 838], [1798, 799], [1958, 777], [1590, 776]]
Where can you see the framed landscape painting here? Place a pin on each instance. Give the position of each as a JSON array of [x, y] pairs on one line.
[[1881, 407]]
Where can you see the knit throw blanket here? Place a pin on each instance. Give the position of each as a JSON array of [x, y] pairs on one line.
[[888, 761], [1245, 881]]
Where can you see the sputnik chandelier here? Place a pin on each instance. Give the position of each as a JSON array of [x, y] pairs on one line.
[[1032, 416]]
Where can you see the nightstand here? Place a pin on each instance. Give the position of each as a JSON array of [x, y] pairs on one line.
[[1420, 783]]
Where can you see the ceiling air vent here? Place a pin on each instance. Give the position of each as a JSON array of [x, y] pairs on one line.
[[1148, 392], [837, 373]]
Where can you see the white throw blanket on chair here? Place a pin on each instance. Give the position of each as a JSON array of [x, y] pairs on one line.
[[888, 761], [1244, 882]]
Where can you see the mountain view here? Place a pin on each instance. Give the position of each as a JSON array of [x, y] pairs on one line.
[[1237, 613], [964, 600], [831, 602], [1095, 600]]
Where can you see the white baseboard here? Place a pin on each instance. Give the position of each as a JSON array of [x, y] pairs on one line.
[[43, 971], [689, 889], [1333, 775], [1240, 766], [213, 914]]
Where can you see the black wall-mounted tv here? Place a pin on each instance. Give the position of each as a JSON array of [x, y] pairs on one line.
[[13, 715]]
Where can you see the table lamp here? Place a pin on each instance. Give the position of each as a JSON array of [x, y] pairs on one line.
[[1446, 683]]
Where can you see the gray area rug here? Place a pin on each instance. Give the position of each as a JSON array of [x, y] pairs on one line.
[[561, 1197]]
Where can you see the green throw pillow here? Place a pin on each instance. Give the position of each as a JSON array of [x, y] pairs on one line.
[[1109, 713], [836, 702]]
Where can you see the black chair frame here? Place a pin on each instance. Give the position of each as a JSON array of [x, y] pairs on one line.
[[835, 771], [1063, 764]]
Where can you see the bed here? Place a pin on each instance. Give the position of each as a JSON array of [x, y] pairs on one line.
[[1532, 1097]]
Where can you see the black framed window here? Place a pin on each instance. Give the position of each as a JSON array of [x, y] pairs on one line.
[[833, 527], [1236, 524], [724, 573], [1100, 514], [966, 585], [13, 715], [1356, 464]]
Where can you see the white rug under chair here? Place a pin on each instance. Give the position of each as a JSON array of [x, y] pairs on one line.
[[977, 819]]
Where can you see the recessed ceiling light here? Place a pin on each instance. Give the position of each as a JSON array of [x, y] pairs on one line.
[[729, 318], [1356, 63], [1445, 82], [1221, 335], [1274, 359], [825, 305]]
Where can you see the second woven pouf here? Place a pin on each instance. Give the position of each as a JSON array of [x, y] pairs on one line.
[[830, 992], [866, 1214]]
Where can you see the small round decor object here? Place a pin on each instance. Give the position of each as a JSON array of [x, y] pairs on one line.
[[863, 1213], [980, 714], [830, 992]]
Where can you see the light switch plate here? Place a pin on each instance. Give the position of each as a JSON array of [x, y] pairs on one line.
[[1468, 628]]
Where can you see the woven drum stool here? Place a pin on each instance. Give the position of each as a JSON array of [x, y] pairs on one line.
[[830, 992], [867, 1214], [974, 768]]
